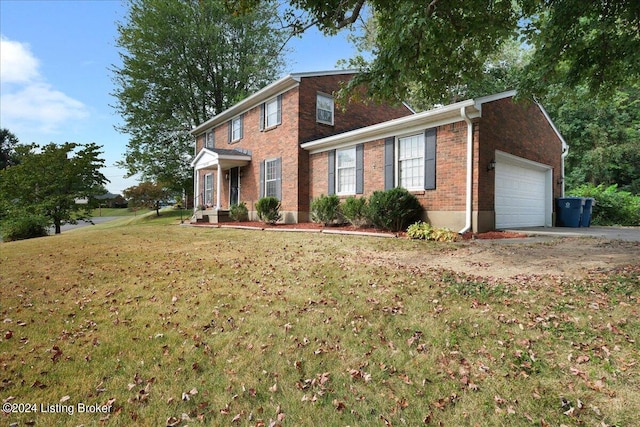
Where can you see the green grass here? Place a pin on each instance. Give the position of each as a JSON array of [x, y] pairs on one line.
[[221, 325]]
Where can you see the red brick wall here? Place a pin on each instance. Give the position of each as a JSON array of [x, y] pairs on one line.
[[356, 115], [298, 125], [450, 170], [522, 130]]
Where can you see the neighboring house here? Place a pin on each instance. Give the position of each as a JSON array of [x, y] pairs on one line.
[[253, 149], [477, 165]]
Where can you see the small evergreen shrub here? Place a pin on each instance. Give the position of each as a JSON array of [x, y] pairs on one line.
[[239, 212], [393, 209], [354, 210], [24, 227], [326, 209], [612, 206], [268, 209]]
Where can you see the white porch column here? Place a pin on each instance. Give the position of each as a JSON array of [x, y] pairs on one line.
[[196, 187], [218, 185]]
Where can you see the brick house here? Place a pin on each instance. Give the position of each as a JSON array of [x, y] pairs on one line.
[[253, 149], [477, 165]]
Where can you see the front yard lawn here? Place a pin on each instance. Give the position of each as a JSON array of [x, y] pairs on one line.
[[170, 325]]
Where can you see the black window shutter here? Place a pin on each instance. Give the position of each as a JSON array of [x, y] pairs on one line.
[[230, 132], [262, 111], [359, 168], [279, 119], [279, 178], [389, 163], [262, 179], [332, 173], [430, 159]]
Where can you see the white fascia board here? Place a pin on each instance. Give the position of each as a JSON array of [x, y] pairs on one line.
[[403, 125], [565, 146], [322, 73], [274, 89], [207, 158], [490, 98]]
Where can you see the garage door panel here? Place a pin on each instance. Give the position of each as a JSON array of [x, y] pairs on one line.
[[520, 195]]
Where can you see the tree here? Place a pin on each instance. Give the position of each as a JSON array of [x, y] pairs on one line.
[[8, 144], [438, 45], [184, 61], [146, 194], [49, 180], [602, 136]]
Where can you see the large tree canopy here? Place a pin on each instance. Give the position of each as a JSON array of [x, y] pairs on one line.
[[182, 62], [48, 180], [434, 46]]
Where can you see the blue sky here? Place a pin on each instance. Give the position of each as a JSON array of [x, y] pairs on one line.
[[55, 73]]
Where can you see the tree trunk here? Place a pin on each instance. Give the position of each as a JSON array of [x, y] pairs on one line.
[[57, 226]]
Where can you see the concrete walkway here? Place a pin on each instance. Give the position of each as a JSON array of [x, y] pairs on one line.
[[631, 234]]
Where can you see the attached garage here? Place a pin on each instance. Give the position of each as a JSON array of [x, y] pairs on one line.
[[523, 192]]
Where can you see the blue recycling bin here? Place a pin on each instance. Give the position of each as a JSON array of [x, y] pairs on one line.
[[587, 209], [569, 211]]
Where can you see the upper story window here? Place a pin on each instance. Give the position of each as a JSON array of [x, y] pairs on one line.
[[209, 140], [271, 113], [411, 156], [235, 129], [324, 109]]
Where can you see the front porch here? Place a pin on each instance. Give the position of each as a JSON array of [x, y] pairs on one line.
[[219, 163]]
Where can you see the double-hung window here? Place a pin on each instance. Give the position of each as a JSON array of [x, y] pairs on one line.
[[324, 109], [270, 178], [346, 171], [209, 141], [235, 129], [411, 162], [271, 113]]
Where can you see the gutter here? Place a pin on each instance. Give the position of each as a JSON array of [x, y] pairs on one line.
[[468, 211]]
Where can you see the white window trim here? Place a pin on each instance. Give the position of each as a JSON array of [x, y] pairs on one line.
[[208, 191], [397, 161], [236, 137], [338, 168], [267, 124], [267, 181], [329, 98]]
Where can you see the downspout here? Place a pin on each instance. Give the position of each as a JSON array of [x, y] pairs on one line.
[[468, 211], [565, 151]]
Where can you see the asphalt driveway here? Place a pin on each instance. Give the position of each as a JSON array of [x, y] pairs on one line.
[[95, 219]]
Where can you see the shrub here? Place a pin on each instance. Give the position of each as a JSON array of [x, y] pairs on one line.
[[354, 210], [239, 212], [424, 231], [268, 209], [612, 206], [326, 209], [420, 230], [24, 227], [393, 209]]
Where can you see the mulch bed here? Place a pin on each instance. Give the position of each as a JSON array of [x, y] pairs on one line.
[[350, 228]]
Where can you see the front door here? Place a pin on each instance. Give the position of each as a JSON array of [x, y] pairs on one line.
[[234, 186]]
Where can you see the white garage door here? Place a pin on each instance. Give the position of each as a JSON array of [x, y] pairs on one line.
[[522, 193]]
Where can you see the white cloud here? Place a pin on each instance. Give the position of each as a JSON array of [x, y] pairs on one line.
[[28, 101], [17, 64]]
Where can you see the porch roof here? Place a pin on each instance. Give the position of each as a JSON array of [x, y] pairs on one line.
[[213, 158]]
